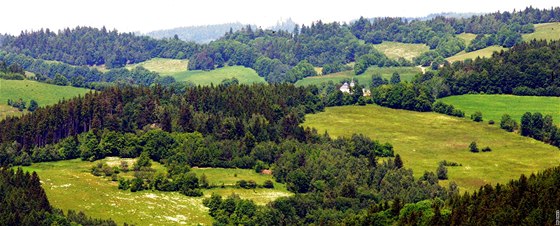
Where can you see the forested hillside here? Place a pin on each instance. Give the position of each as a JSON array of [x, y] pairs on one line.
[[92, 46]]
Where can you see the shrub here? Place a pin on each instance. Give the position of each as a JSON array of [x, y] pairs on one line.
[[241, 183], [442, 172], [491, 122], [449, 163], [486, 149], [268, 184], [477, 116], [473, 147]]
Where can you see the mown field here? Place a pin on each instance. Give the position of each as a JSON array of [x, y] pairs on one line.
[[424, 139], [494, 106], [406, 73], [70, 185], [486, 52], [163, 66], [44, 94], [198, 77], [466, 37], [395, 50], [548, 31]]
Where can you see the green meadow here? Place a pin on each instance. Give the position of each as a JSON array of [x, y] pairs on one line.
[[199, 77], [45, 94], [493, 107], [486, 52], [395, 50], [70, 185], [548, 31], [423, 139]]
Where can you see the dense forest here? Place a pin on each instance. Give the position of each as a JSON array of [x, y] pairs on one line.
[[199, 34], [92, 46]]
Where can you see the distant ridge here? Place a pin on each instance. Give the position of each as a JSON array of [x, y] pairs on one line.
[[199, 34]]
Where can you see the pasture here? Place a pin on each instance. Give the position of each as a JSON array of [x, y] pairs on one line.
[[163, 66], [199, 77], [423, 139], [466, 37], [406, 73], [548, 31], [494, 106], [486, 52], [395, 50], [45, 94], [70, 185]]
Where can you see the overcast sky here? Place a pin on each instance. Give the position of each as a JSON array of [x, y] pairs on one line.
[[144, 15]]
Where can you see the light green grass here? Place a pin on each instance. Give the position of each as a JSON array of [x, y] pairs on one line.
[[494, 106], [163, 66], [406, 73], [486, 52], [424, 139], [44, 94], [198, 77], [395, 50], [548, 31], [467, 37], [70, 185]]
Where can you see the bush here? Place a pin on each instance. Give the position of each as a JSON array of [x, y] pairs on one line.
[[507, 123], [442, 172], [486, 149], [268, 184], [449, 163], [477, 116], [491, 122], [473, 147], [241, 183], [192, 192], [124, 184]]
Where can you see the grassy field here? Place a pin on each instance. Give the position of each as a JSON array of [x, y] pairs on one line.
[[486, 52], [549, 31], [394, 50], [243, 74], [467, 37], [424, 139], [70, 185], [163, 66], [44, 94], [406, 73], [494, 106]]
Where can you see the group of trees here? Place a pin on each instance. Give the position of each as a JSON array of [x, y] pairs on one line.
[[21, 105], [540, 128], [11, 71], [80, 76], [24, 202], [93, 46], [529, 68]]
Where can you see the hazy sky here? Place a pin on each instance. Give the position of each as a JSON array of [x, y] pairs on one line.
[[143, 15]]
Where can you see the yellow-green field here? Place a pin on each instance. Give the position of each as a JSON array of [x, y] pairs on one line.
[[70, 185], [198, 77], [466, 37], [45, 94], [486, 52], [395, 50], [494, 106], [548, 31], [163, 66], [424, 138], [406, 73]]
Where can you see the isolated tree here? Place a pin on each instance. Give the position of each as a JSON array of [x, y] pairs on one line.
[[477, 116], [398, 161], [377, 80], [395, 78], [507, 123], [143, 161], [33, 105], [473, 147], [442, 172]]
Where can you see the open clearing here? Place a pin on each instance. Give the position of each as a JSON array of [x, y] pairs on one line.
[[395, 50], [494, 106], [406, 73], [424, 138], [486, 52], [70, 185], [45, 94], [548, 31], [198, 77], [163, 66], [466, 37]]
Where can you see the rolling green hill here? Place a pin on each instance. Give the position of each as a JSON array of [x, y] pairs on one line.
[[406, 73], [424, 139], [70, 185], [494, 106], [549, 31], [44, 94], [486, 52], [243, 74], [394, 50]]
